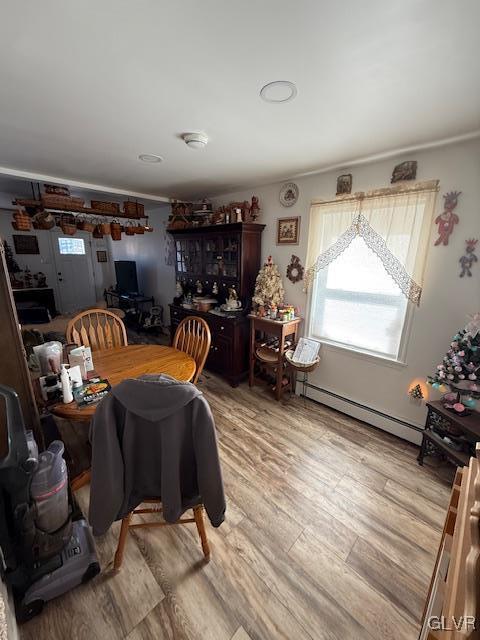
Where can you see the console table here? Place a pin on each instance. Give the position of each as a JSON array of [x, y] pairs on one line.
[[34, 304], [463, 431]]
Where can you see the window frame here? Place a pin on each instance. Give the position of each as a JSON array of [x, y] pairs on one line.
[[70, 239], [400, 360]]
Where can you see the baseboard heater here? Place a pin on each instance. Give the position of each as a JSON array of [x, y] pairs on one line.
[[396, 426]]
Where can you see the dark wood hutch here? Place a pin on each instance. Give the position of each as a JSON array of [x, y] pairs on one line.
[[228, 255]]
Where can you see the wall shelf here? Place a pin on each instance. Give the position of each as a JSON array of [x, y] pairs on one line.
[[37, 204]]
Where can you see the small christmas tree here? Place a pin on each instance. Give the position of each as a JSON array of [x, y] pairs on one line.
[[12, 264], [461, 364], [268, 286]]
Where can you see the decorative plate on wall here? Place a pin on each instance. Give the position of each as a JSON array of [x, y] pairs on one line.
[[289, 194]]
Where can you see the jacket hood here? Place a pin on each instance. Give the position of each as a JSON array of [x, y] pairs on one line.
[[154, 397]]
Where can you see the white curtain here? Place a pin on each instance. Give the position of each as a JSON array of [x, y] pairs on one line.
[[394, 223]]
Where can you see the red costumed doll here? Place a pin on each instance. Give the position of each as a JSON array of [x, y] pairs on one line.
[[447, 220]]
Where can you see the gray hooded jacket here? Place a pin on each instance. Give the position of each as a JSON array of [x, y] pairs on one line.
[[154, 437]]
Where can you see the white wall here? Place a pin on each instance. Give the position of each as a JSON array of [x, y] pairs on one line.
[[155, 277], [446, 299]]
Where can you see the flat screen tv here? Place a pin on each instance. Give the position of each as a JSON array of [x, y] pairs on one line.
[[126, 273]]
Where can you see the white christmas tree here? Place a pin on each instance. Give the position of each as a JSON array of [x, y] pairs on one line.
[[268, 286]]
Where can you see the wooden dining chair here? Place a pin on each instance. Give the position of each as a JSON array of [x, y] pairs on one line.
[[193, 337], [126, 525], [97, 328]]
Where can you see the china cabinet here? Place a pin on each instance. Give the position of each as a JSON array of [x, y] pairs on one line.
[[219, 258]]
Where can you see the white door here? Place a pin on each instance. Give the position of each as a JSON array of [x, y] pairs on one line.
[[74, 271]]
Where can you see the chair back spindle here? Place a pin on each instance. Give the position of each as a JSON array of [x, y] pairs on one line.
[[98, 329]]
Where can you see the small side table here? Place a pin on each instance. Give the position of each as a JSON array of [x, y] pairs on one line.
[[442, 423], [262, 329]]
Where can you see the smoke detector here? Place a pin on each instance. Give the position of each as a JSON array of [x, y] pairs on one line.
[[195, 140]]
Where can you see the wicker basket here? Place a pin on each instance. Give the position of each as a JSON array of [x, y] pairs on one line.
[[106, 230], [52, 201], [140, 229], [56, 190], [44, 221], [133, 209], [86, 225], [21, 221], [68, 225], [129, 230], [116, 230], [97, 232], [106, 207]]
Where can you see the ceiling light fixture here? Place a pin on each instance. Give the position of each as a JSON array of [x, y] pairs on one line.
[[278, 91], [195, 140], [150, 158]]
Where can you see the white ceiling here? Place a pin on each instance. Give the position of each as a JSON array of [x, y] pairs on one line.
[[87, 86]]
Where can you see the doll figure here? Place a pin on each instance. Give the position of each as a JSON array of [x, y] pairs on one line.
[[468, 260], [448, 219]]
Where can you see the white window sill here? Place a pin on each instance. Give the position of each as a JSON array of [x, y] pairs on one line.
[[359, 353]]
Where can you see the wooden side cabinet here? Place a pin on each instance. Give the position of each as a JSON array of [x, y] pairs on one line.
[[228, 353], [268, 344]]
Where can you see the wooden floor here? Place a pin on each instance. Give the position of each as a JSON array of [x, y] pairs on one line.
[[331, 532]]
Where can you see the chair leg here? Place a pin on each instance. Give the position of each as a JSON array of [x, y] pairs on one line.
[[117, 563], [198, 515]]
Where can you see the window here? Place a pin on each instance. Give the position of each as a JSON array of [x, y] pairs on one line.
[[365, 262], [356, 304], [71, 246]]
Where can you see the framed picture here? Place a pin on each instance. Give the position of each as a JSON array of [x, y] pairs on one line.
[[288, 230], [344, 184], [404, 171], [26, 244], [102, 256]]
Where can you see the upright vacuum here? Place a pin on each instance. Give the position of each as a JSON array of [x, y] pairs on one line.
[[45, 542]]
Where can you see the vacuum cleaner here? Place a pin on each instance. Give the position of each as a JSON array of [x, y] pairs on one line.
[[45, 543]]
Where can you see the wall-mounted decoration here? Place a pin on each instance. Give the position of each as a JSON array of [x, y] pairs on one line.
[[416, 392], [404, 171], [295, 270], [25, 244], [344, 184], [447, 220], [468, 260], [288, 230], [102, 256], [288, 194]]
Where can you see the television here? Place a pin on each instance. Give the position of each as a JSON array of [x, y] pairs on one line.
[[126, 274]]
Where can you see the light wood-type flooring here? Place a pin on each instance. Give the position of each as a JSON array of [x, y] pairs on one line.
[[331, 532]]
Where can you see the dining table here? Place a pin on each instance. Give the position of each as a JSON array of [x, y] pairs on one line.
[[132, 361]]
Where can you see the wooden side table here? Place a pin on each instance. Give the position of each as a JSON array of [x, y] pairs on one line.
[[441, 423], [261, 329]]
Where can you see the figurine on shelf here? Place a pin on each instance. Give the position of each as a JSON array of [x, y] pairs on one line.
[[254, 209], [28, 278], [40, 280], [232, 301], [178, 289], [215, 289], [238, 213], [199, 286]]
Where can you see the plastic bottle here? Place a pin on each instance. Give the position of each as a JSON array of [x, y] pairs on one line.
[[66, 385], [49, 488]]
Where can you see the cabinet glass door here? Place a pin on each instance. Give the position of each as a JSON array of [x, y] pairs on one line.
[[230, 256], [188, 256], [221, 256]]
